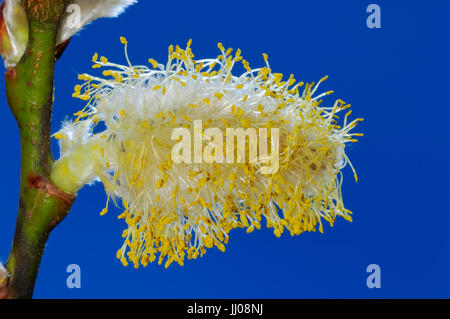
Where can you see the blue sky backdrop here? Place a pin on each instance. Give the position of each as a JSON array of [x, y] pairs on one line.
[[397, 78]]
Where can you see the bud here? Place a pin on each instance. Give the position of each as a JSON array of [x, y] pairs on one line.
[[3, 276], [82, 12], [13, 32]]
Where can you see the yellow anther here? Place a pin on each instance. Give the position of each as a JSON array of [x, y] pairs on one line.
[[124, 261], [153, 63], [123, 40]]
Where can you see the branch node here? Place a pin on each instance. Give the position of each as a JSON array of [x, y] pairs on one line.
[[11, 73], [44, 184]]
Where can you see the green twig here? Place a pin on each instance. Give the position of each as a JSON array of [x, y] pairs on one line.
[[29, 90]]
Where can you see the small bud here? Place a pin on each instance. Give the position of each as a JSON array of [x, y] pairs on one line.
[[82, 12], [3, 276], [13, 32]]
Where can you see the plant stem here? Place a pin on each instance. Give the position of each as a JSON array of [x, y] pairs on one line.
[[29, 90]]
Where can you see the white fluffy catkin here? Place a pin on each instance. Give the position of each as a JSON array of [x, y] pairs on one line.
[[178, 209]]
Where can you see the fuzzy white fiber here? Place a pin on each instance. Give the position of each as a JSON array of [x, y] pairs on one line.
[[89, 10]]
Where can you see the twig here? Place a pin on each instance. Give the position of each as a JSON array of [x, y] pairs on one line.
[[29, 90]]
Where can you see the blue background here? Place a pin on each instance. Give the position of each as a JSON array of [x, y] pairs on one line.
[[396, 77]]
